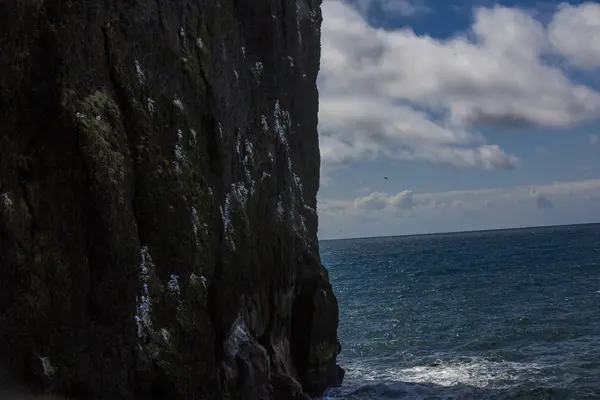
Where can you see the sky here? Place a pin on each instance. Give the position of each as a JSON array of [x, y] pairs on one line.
[[481, 115]]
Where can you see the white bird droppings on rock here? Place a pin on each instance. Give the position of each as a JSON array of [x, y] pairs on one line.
[[47, 366], [150, 105], [303, 228], [310, 209], [178, 103], [183, 37], [298, 183], [195, 280], [298, 17], [249, 150], [166, 335], [263, 123], [146, 263], [173, 284], [142, 317], [248, 164], [140, 73], [226, 216], [6, 200], [178, 151], [282, 120], [257, 69], [240, 193], [195, 222], [238, 334], [280, 209]]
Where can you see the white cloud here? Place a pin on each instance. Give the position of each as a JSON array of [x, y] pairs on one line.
[[362, 127], [380, 201], [404, 96], [573, 31], [411, 212]]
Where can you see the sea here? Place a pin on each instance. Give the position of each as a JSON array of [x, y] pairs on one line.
[[506, 314]]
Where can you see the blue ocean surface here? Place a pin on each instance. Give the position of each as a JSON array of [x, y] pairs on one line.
[[511, 314]]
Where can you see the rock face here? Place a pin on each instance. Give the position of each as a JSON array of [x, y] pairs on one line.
[[159, 167]]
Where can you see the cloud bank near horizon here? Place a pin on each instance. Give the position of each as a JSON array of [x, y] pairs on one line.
[[378, 213]]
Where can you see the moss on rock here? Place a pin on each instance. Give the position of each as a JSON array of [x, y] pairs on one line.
[[103, 138]]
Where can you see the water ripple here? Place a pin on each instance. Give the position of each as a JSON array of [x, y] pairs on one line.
[[505, 314]]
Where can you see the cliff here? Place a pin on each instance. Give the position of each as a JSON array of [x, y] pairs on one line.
[[159, 167]]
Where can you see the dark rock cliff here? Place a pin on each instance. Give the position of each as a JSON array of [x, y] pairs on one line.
[[159, 167]]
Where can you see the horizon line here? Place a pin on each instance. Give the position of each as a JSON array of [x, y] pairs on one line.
[[458, 232]]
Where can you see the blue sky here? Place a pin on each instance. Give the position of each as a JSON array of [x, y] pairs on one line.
[[482, 114]]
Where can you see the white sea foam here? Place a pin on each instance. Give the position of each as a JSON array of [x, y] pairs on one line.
[[474, 372]]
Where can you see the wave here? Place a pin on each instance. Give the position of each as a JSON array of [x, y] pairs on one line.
[[471, 371], [461, 378]]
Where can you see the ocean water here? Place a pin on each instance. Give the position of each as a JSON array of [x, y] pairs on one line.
[[511, 314]]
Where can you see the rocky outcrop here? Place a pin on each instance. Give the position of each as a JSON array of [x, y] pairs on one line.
[[159, 167]]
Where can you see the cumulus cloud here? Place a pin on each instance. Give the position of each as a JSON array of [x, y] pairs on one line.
[[572, 32], [396, 94], [380, 201], [374, 201], [408, 212]]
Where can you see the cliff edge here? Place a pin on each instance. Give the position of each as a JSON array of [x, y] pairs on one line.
[[159, 167]]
